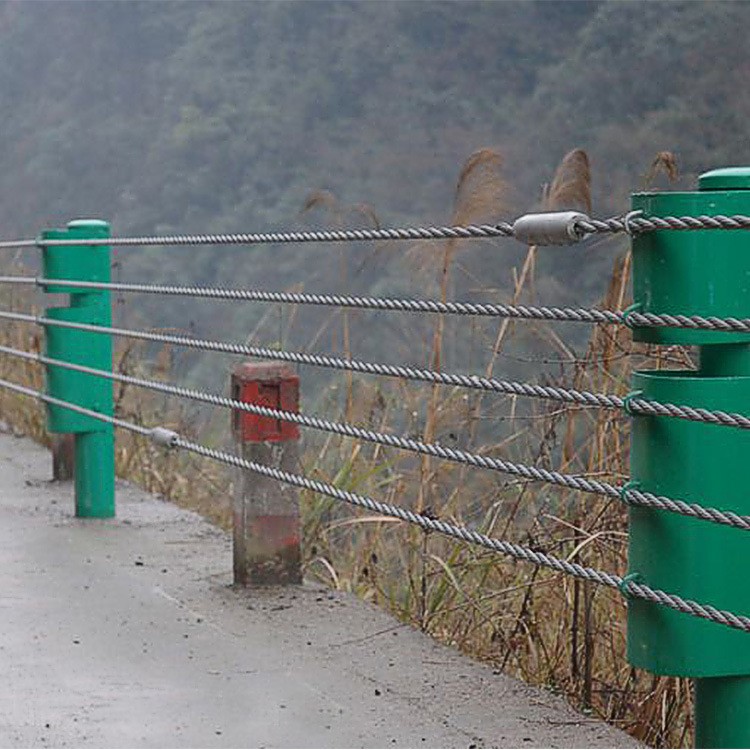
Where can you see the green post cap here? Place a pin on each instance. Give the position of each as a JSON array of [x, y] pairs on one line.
[[88, 223], [729, 178]]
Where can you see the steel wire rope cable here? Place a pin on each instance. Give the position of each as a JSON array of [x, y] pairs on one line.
[[477, 382], [482, 231], [342, 428], [529, 312], [629, 588], [630, 496], [577, 228], [574, 229], [495, 385], [405, 372], [657, 223], [122, 423], [15, 244], [565, 314], [483, 309], [170, 439]]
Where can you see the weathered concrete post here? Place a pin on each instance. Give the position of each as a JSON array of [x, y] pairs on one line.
[[266, 512]]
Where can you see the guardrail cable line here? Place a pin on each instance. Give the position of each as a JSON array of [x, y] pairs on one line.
[[123, 424], [171, 439], [16, 244], [436, 450], [476, 382], [482, 309], [695, 322], [630, 496], [479, 382], [556, 228]]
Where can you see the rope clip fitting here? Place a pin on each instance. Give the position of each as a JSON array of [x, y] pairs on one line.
[[627, 402], [632, 484], [628, 311], [629, 228], [624, 585]]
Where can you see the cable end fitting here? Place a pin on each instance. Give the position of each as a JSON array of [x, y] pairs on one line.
[[627, 402], [632, 484], [628, 218], [553, 228], [163, 436], [624, 584], [636, 307]]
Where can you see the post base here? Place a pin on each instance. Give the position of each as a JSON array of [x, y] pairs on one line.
[[95, 474], [722, 711]]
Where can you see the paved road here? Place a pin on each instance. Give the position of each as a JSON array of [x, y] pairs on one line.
[[126, 633]]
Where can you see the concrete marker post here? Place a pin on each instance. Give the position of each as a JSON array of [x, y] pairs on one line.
[[265, 511]]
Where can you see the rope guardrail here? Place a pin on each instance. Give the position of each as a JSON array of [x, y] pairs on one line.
[[557, 228], [170, 439], [662, 644], [625, 493]]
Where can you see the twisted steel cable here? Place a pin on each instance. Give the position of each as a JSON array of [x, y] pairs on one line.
[[690, 413], [631, 319], [502, 229], [629, 495], [122, 423], [351, 365], [340, 428], [16, 244], [690, 607], [477, 382], [656, 223], [577, 229], [696, 322], [570, 314], [170, 439]]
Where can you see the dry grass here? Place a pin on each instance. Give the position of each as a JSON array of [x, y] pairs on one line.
[[193, 483], [545, 628], [571, 186]]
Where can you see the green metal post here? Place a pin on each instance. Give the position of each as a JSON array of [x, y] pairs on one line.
[[704, 272], [94, 440]]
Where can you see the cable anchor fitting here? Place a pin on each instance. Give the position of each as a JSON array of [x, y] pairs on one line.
[[552, 228], [163, 436]]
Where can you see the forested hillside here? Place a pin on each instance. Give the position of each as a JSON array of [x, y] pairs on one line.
[[170, 117]]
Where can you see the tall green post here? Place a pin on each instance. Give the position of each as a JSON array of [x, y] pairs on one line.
[[698, 272], [94, 440]]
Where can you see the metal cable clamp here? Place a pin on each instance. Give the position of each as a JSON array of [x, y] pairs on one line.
[[163, 436], [553, 228]]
